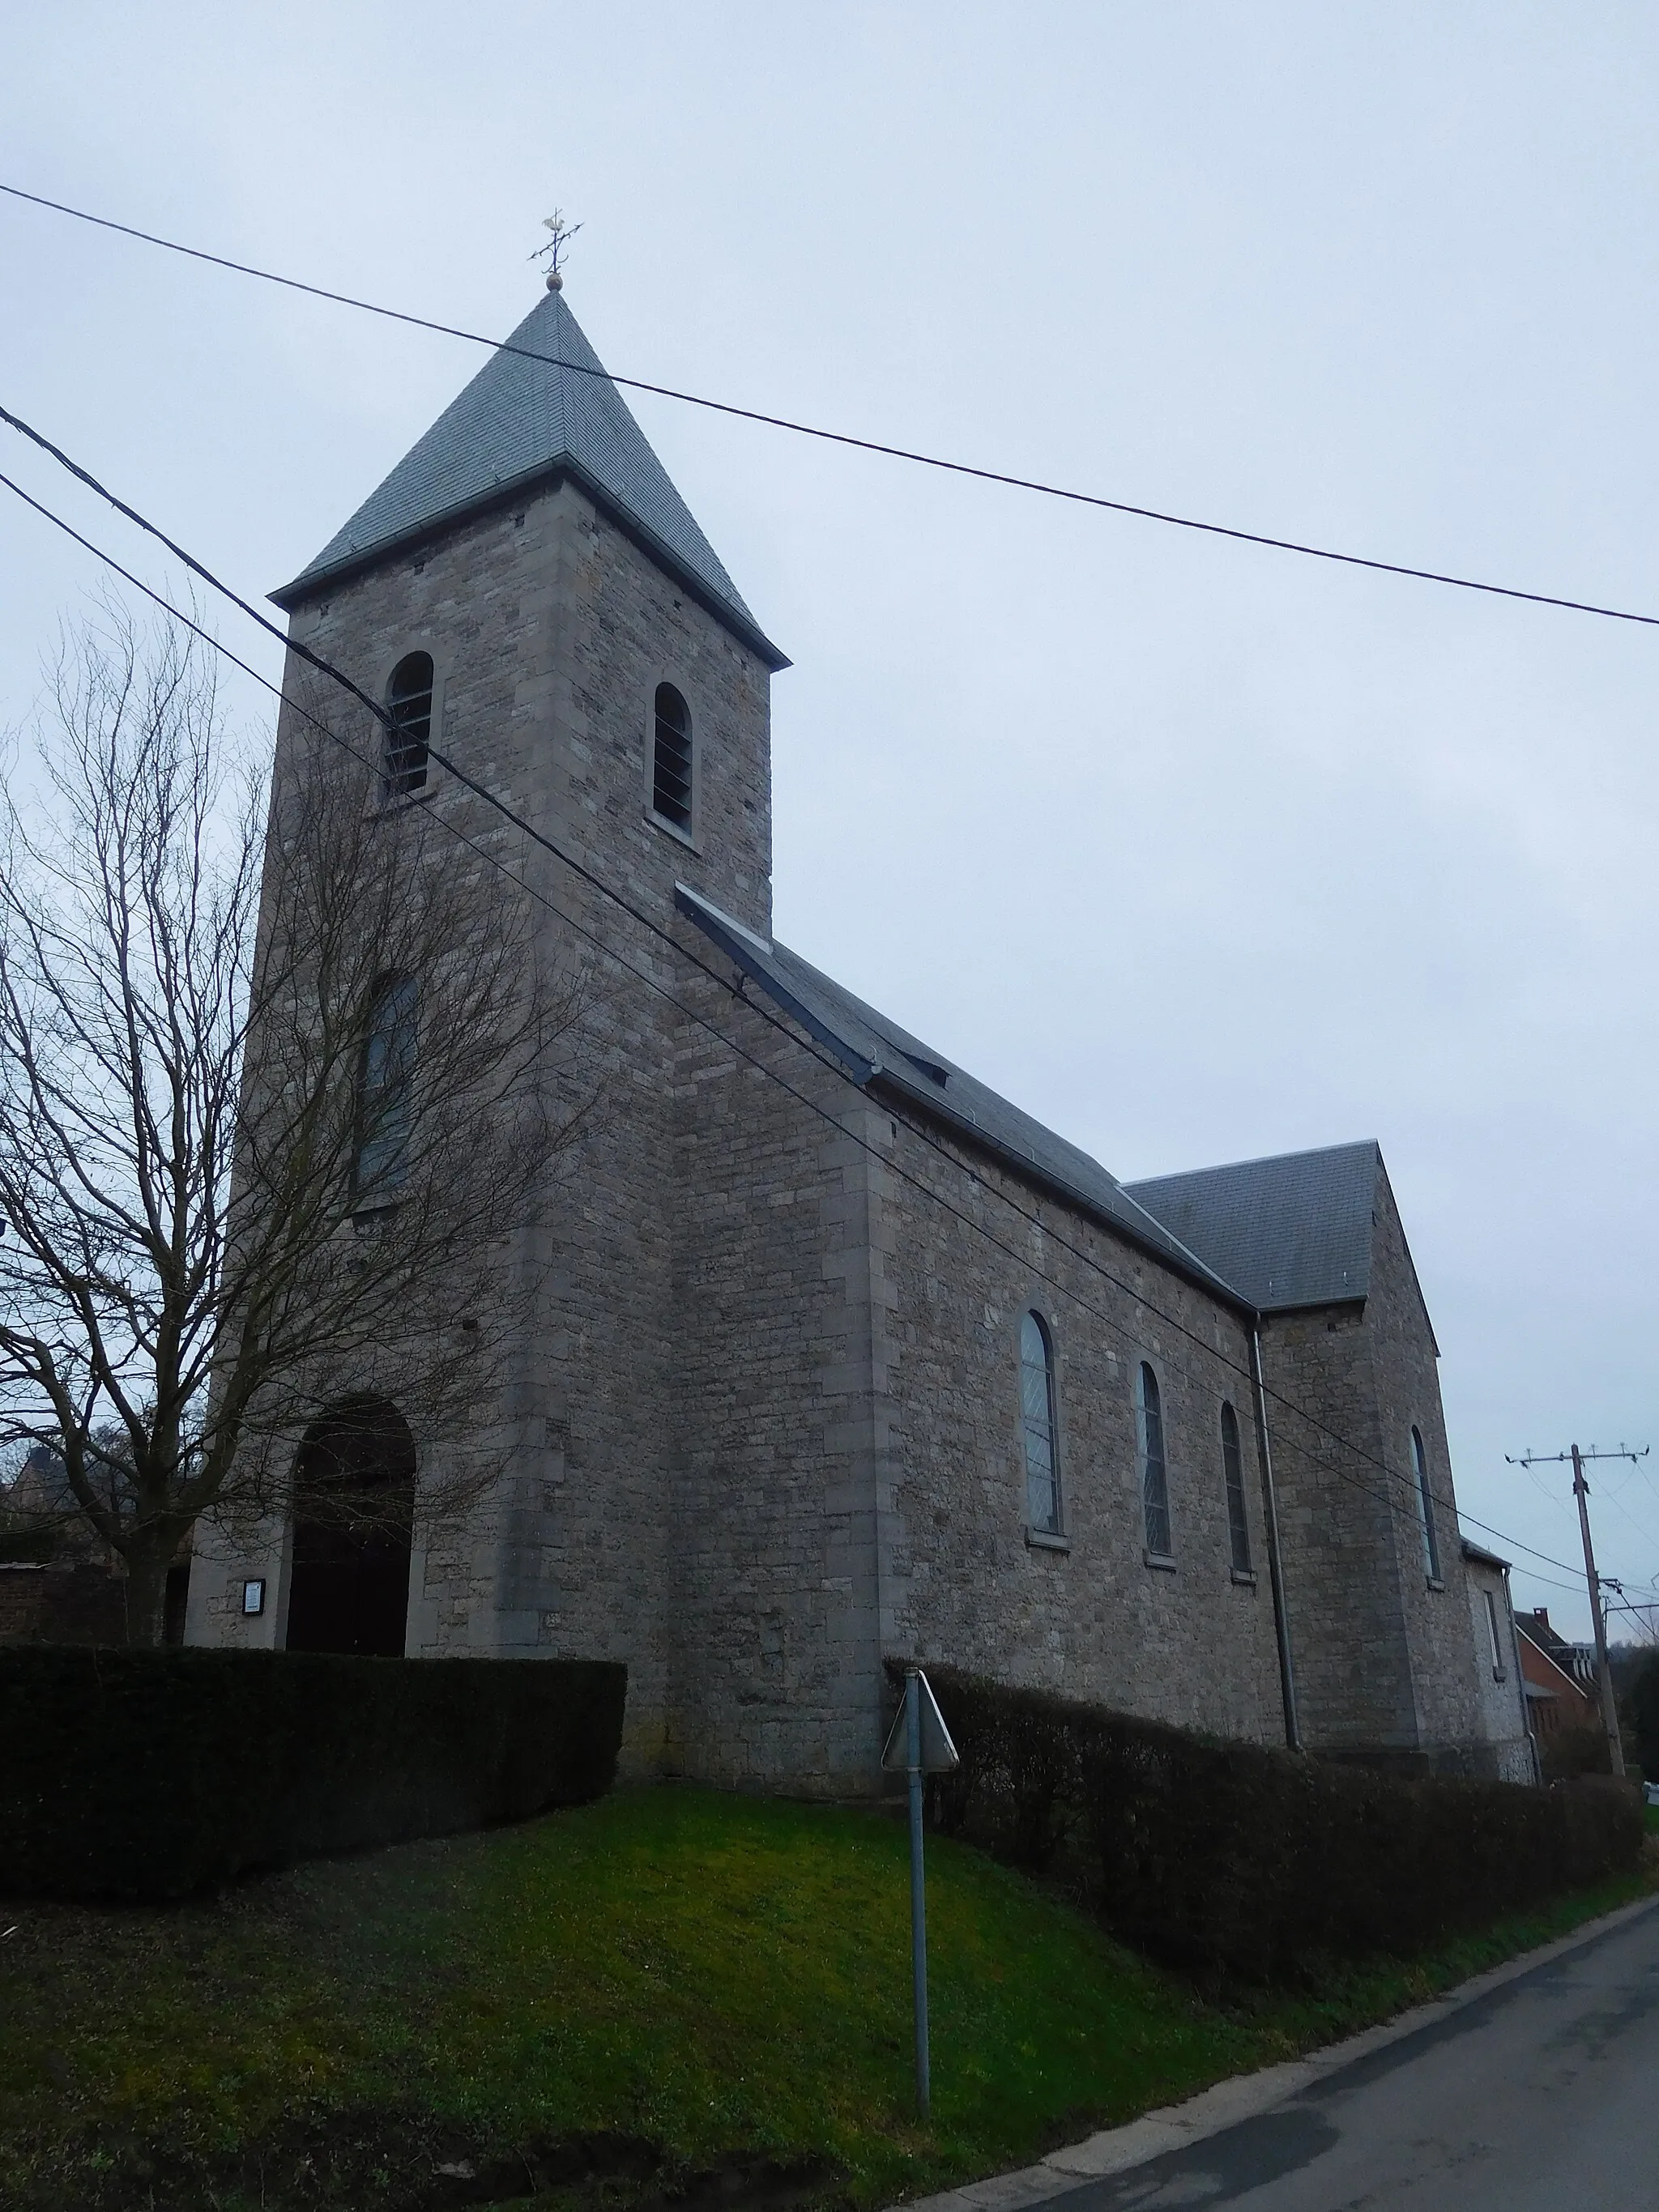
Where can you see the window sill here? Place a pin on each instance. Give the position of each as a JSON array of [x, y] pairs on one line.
[[1245, 1576], [1163, 1561], [1045, 1540], [671, 829], [403, 804], [1433, 1582], [1499, 1675]]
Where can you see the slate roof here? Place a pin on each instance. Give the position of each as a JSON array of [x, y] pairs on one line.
[[1267, 1235], [1482, 1558], [1293, 1230], [875, 1050], [522, 421]]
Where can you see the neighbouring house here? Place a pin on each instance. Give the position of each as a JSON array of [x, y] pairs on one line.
[[1563, 1701], [865, 1361], [59, 1582]]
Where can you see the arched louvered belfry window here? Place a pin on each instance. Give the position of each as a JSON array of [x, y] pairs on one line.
[[1425, 1508], [1154, 1481], [385, 1091], [408, 705], [1036, 1415], [670, 758], [1232, 1468]]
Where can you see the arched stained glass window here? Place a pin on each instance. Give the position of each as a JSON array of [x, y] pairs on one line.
[[1426, 1509], [385, 1091], [1154, 1483], [671, 759], [1232, 1464], [408, 704], [1036, 1414]]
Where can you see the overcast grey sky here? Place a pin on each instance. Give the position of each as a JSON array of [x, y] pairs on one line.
[[1198, 852]]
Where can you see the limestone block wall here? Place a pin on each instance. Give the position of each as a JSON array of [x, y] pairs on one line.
[[1502, 1693], [549, 632], [1337, 1516], [1384, 1660], [1090, 1618], [774, 1593], [1441, 1652]]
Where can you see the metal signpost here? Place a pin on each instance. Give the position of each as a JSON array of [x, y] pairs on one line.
[[919, 1743]]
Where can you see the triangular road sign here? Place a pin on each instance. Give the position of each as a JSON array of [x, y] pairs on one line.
[[938, 1754]]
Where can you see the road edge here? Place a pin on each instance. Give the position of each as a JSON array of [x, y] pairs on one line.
[[1241, 2096]]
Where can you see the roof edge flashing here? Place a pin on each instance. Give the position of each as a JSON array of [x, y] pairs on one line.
[[311, 582], [753, 955]]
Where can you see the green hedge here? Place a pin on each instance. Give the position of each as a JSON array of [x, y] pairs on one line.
[[147, 1774], [1252, 1861]]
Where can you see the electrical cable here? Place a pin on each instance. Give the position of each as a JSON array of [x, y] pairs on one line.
[[1406, 1480], [846, 438]]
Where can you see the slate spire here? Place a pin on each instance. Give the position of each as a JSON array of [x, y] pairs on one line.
[[541, 407]]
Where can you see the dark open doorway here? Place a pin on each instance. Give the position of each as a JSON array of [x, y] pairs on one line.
[[354, 1509]]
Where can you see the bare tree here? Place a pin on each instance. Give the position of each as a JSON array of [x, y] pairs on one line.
[[281, 1092]]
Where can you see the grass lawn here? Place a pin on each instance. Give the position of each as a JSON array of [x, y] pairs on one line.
[[608, 2003]]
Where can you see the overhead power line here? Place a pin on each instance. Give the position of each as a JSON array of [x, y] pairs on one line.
[[1403, 1482], [846, 438]]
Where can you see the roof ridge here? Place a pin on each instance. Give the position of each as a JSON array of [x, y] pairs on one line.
[[541, 406], [1259, 1160]]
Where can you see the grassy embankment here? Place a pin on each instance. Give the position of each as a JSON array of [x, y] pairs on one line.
[[691, 1985]]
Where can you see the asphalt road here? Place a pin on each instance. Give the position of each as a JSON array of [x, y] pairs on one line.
[[1542, 2095]]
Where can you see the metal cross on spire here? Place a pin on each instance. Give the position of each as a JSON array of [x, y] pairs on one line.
[[553, 251]]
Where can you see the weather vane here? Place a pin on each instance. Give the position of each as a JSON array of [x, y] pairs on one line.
[[553, 251]]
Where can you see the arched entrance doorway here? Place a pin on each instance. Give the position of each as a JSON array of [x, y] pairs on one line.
[[354, 1509]]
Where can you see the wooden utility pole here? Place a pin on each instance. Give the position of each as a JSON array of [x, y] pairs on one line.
[[1598, 1614]]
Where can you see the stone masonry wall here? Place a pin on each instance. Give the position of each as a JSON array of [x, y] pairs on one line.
[[1502, 1691], [1336, 1514], [1384, 1659], [549, 632], [1441, 1652], [765, 1426], [1189, 1646], [773, 1595]]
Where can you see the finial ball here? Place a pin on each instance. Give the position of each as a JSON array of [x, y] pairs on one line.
[[555, 282]]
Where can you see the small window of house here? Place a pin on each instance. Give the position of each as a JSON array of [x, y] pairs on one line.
[[408, 705], [1233, 1466], [1036, 1413], [385, 1091], [1154, 1484], [671, 759], [1497, 1669], [1426, 1509]]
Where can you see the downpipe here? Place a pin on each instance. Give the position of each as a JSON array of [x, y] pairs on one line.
[[1275, 1563]]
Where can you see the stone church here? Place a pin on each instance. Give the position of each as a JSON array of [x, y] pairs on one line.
[[845, 1357]]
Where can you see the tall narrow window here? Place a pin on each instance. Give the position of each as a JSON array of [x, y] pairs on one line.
[[1036, 1414], [1154, 1485], [1426, 1509], [408, 704], [671, 759], [1498, 1667], [1232, 1464], [385, 1089]]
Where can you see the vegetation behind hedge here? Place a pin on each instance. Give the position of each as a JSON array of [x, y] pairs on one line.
[[149, 1774], [1252, 1861]]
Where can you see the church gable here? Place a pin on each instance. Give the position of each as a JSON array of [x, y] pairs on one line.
[[1295, 1231]]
